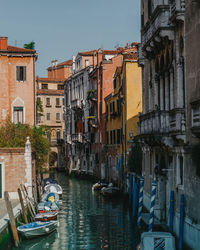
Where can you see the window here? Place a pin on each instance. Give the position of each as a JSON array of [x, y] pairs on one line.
[[180, 170], [44, 86], [86, 63], [60, 86], [63, 101], [48, 116], [100, 108], [111, 138], [18, 115], [21, 73], [58, 134], [106, 109], [107, 138], [48, 102], [57, 116], [118, 136], [57, 102], [118, 107], [114, 84], [113, 107], [114, 137]]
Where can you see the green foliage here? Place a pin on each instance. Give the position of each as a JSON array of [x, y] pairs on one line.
[[39, 106], [135, 158], [14, 135], [195, 154], [30, 45]]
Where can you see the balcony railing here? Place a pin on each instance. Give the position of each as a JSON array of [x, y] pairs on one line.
[[159, 122], [77, 138], [158, 26], [76, 104], [177, 9]]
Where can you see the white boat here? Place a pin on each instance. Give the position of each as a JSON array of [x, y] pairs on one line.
[[53, 188], [48, 216], [36, 229], [156, 241], [47, 206]]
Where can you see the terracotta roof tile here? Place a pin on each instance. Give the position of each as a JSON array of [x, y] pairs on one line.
[[21, 50], [69, 63]]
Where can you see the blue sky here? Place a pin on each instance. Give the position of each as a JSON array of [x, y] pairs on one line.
[[62, 28]]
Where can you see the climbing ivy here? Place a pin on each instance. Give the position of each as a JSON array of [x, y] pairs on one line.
[[14, 135]]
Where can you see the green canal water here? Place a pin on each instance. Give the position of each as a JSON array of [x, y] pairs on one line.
[[88, 221]]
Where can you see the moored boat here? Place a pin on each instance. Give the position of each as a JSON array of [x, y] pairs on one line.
[[98, 186], [110, 190], [54, 188], [47, 206], [156, 240], [48, 216], [36, 229]]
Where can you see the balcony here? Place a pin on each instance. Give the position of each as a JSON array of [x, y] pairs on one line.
[[157, 28], [177, 10], [169, 123], [76, 104], [77, 138]]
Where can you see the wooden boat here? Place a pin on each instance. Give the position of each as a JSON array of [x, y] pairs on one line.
[[36, 229], [156, 240], [48, 216], [98, 186]]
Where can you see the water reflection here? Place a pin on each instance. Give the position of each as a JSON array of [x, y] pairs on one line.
[[88, 221]]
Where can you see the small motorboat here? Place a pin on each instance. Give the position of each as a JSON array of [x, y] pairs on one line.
[[47, 206], [110, 190], [156, 240], [48, 216], [54, 188], [98, 186], [47, 181], [36, 229]]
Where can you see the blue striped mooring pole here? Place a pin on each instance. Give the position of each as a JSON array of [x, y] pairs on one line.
[[130, 187], [135, 190], [171, 212], [140, 202], [180, 240], [153, 197]]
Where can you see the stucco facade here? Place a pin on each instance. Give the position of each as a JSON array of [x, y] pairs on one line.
[[17, 87]]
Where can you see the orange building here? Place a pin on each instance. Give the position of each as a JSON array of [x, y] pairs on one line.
[[17, 85]]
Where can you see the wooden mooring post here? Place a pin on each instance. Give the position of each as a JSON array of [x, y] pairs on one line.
[[12, 218], [22, 205], [30, 201], [28, 204]]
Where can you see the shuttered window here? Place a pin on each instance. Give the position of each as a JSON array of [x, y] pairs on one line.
[[21, 73]]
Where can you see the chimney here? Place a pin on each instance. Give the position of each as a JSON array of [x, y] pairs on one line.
[[3, 43]]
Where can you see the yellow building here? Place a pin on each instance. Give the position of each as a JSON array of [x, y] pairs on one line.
[[122, 108]]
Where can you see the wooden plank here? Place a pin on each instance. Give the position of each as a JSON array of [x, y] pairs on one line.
[[12, 218], [27, 202], [29, 199], [22, 205]]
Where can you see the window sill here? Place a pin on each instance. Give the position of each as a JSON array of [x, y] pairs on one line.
[[48, 106], [20, 81], [58, 106], [58, 121]]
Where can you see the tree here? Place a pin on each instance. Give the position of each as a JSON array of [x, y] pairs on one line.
[[30, 45], [14, 135]]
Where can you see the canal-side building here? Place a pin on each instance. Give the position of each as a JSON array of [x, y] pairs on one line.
[[164, 129], [17, 86], [50, 95], [83, 105], [192, 162], [122, 112]]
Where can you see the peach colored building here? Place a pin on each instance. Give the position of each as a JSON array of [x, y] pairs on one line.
[[17, 85], [50, 92]]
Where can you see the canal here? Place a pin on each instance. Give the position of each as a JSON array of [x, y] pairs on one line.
[[88, 221]]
